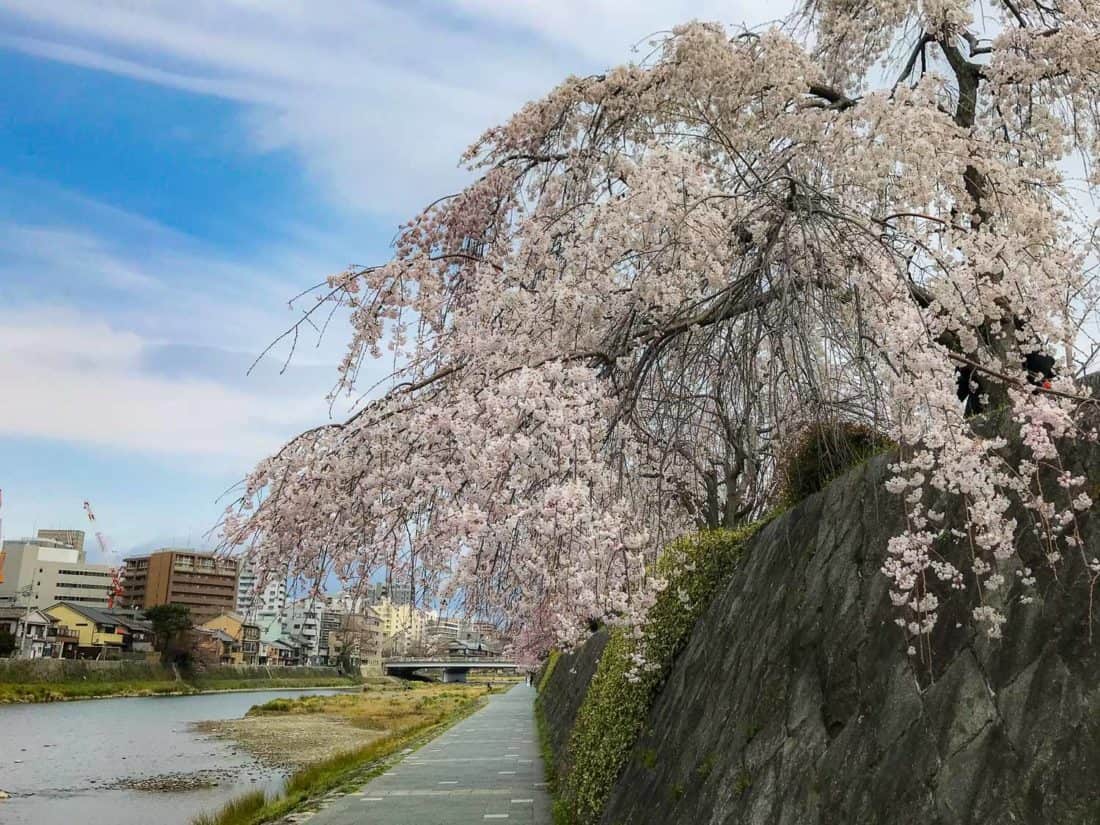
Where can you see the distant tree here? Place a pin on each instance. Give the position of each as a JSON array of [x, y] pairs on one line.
[[344, 661], [7, 643], [170, 625]]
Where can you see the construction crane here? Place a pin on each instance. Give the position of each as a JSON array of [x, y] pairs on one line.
[[1, 538], [110, 556]]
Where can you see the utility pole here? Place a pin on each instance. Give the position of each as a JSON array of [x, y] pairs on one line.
[[27, 591]]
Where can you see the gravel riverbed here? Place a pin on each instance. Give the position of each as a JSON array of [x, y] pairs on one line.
[[291, 741]]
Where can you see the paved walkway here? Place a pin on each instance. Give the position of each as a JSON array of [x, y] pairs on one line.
[[485, 769]]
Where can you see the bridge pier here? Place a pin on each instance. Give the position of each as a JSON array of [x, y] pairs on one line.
[[454, 674]]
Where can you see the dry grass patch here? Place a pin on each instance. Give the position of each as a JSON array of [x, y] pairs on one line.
[[298, 732]]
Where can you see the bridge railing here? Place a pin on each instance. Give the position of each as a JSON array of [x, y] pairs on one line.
[[448, 660]]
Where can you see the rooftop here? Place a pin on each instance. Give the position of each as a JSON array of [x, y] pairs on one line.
[[19, 613], [109, 617]]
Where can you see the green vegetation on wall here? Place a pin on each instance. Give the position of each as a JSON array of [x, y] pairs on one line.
[[622, 691], [823, 452], [548, 669]]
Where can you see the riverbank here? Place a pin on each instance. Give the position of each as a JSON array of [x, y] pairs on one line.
[[371, 729], [27, 681], [30, 694]]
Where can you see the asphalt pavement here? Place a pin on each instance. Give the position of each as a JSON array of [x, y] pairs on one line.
[[485, 769]]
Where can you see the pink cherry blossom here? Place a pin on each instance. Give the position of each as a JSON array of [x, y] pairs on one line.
[[662, 272]]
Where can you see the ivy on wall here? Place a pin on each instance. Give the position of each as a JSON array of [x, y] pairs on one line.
[[634, 665], [548, 669]]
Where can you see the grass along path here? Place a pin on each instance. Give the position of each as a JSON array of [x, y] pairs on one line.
[[396, 718]]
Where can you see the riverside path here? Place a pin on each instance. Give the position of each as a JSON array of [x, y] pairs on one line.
[[486, 769]]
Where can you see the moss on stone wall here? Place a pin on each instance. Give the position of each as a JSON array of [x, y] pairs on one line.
[[633, 666], [548, 669]]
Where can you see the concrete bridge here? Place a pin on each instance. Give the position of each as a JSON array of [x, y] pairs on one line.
[[455, 668]]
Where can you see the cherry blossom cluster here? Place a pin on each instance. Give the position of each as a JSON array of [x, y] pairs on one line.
[[659, 271]]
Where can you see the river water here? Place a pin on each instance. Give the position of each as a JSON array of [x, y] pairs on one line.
[[61, 761]]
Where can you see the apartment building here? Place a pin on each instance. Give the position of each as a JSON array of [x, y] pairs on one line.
[[38, 572], [302, 621], [203, 582], [397, 592], [254, 599], [403, 627]]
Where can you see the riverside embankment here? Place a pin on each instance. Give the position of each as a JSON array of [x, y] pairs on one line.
[[52, 680]]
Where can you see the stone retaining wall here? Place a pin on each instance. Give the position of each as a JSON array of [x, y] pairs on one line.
[[794, 702]]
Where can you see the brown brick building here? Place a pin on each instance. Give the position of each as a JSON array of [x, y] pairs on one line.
[[205, 583]]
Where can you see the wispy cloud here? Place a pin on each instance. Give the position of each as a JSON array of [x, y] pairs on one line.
[[82, 380], [163, 284], [376, 99], [119, 332]]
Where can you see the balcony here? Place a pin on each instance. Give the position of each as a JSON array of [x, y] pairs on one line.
[[62, 634], [107, 639]]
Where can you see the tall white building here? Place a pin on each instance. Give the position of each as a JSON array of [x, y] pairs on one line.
[[254, 601], [41, 571], [303, 619]]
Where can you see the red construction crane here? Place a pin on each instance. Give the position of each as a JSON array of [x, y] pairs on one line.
[[1, 539], [110, 556]]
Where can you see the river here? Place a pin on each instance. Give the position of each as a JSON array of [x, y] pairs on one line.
[[62, 761]]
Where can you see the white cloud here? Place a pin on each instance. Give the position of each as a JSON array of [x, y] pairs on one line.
[[67, 249], [377, 99], [69, 377], [158, 282], [119, 332], [604, 29]]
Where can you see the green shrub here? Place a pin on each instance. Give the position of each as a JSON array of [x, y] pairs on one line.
[[821, 452], [621, 692]]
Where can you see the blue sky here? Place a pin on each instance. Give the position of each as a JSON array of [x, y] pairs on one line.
[[171, 173]]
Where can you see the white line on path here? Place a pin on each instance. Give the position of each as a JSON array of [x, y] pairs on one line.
[[372, 799], [522, 801], [506, 773], [449, 782]]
